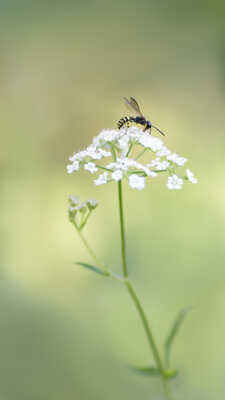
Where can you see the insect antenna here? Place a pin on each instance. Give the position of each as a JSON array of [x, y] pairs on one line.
[[158, 130]]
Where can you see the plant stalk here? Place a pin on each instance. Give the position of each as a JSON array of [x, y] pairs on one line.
[[122, 231], [91, 252], [137, 302]]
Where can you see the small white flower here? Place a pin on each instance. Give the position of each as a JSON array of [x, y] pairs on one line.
[[117, 175], [136, 182], [79, 156], [93, 153], [151, 173], [159, 165], [73, 157], [72, 209], [81, 207], [124, 141], [177, 159], [143, 168], [163, 165], [111, 165], [124, 145], [109, 135], [102, 179], [163, 152], [104, 153], [145, 140], [174, 182], [134, 131], [69, 168], [73, 167], [91, 167], [191, 176], [74, 199], [92, 203], [150, 142], [122, 163]]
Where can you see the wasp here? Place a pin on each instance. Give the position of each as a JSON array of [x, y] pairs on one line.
[[133, 106]]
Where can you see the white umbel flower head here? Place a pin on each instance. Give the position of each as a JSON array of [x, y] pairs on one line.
[[131, 154]]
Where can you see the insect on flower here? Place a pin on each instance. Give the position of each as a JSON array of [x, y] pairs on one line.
[[133, 106]]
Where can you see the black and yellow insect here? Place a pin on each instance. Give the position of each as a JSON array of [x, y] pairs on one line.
[[132, 104]]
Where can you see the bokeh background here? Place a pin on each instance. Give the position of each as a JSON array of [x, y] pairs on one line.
[[66, 333]]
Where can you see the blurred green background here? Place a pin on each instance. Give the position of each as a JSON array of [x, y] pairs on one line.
[[66, 333]]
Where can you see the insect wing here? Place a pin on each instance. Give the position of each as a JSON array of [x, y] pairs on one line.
[[133, 106]]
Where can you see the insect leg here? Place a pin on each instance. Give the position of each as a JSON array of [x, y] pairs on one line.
[[145, 127]]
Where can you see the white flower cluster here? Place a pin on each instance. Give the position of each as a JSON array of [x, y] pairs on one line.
[[79, 212], [119, 145]]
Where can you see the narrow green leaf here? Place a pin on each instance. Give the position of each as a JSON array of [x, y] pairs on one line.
[[173, 332], [93, 268], [146, 371]]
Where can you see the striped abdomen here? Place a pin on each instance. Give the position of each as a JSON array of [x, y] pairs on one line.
[[124, 121]]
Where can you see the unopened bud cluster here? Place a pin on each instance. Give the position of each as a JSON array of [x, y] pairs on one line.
[[79, 212]]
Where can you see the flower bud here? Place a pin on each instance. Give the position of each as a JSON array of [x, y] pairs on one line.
[[91, 204]]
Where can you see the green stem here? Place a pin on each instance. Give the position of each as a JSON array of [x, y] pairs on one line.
[[113, 152], [99, 263], [137, 302], [149, 335], [90, 251], [85, 218], [140, 154], [105, 169], [122, 231], [146, 326], [129, 150]]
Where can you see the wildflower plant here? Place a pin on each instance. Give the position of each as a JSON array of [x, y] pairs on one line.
[[117, 156]]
